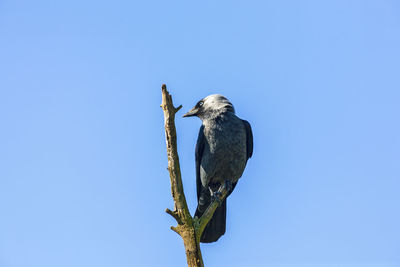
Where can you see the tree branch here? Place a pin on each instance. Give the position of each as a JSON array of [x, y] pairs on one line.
[[181, 213], [190, 229], [175, 215]]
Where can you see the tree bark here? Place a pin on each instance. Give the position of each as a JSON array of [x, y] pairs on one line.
[[189, 228]]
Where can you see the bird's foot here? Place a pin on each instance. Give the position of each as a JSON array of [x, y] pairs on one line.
[[227, 185], [216, 196]]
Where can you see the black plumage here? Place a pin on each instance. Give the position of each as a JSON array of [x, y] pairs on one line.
[[224, 144]]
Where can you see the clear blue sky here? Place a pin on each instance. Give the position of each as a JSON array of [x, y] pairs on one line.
[[83, 179]]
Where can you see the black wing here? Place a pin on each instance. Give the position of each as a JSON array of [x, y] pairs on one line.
[[249, 146], [217, 225], [200, 148], [249, 138], [198, 155]]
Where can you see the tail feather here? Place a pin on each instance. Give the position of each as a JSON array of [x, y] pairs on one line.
[[216, 226]]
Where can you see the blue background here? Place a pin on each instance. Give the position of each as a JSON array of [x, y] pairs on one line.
[[83, 179]]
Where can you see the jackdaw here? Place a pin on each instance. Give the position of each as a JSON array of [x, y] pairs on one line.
[[224, 145]]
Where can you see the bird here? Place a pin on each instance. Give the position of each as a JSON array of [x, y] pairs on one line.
[[224, 145]]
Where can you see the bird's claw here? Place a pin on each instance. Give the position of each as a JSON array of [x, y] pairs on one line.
[[216, 196]]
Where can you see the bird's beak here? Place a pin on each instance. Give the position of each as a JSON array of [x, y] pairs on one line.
[[191, 113]]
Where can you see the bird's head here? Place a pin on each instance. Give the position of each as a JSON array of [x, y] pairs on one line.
[[210, 107]]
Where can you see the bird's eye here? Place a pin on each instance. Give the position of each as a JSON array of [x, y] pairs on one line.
[[200, 103]]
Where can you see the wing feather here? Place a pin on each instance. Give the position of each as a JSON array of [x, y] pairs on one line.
[[198, 155], [249, 139]]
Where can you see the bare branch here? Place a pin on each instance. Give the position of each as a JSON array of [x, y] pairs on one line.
[[178, 108], [175, 229], [175, 215], [173, 158], [181, 213]]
